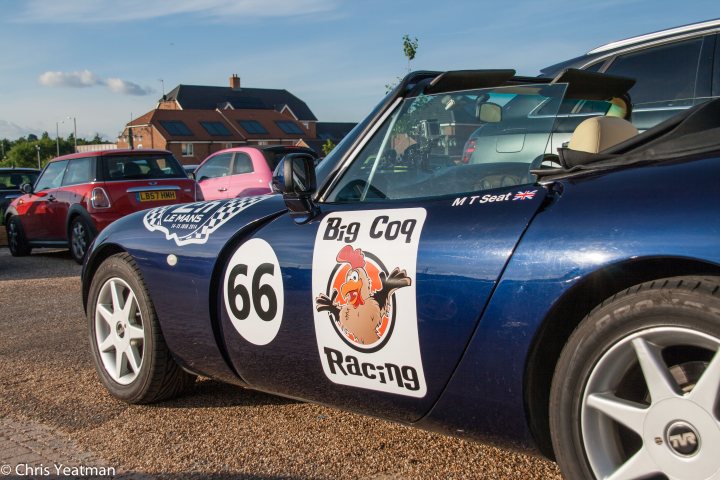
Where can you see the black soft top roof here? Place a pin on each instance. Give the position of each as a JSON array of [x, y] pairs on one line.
[[582, 85], [695, 131]]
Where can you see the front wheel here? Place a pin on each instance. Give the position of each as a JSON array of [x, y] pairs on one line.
[[128, 349], [17, 243], [80, 238], [635, 392]]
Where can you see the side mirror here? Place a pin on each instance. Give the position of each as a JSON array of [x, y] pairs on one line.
[[26, 188], [489, 112], [294, 177]]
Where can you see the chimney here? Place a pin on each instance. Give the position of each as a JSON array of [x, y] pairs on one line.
[[235, 82]]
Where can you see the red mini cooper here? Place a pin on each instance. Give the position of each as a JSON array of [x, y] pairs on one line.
[[78, 195]]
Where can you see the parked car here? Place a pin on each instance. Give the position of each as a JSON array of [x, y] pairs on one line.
[[241, 171], [568, 303], [78, 195], [674, 69], [189, 169], [10, 181]]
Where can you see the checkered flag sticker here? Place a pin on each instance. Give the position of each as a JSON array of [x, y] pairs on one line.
[[193, 223]]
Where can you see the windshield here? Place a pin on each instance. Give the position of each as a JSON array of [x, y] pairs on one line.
[[450, 143], [141, 167], [12, 180]]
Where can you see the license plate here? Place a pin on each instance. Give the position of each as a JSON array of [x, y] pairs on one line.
[[156, 196]]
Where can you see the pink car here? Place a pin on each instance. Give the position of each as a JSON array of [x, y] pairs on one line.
[[241, 171]]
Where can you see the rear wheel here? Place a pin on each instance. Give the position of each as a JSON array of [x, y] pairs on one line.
[[17, 243], [80, 238], [128, 349], [636, 391]]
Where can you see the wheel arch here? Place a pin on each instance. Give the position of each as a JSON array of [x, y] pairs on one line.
[[567, 312], [99, 255], [78, 211], [9, 212]]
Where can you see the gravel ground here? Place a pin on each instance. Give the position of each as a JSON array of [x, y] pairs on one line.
[[215, 431]]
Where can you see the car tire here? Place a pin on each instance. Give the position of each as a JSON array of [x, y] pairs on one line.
[[17, 243], [80, 237], [636, 390], [127, 345]]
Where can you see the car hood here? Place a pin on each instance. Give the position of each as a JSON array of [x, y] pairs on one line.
[[198, 230]]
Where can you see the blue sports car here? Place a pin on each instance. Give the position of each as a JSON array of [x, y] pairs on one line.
[[450, 266]]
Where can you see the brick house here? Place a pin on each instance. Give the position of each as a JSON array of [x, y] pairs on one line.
[[194, 121]]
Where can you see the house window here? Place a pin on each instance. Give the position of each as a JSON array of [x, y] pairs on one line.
[[186, 150], [228, 145], [176, 127], [216, 129], [289, 127], [252, 126]]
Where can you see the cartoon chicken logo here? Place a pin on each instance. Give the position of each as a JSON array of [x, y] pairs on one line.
[[361, 301]]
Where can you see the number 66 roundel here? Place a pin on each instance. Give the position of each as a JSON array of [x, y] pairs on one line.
[[253, 292]]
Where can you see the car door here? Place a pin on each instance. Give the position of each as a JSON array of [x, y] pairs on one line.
[[370, 304], [39, 210], [79, 173], [213, 176]]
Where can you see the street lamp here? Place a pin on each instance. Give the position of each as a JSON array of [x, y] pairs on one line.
[[74, 131], [37, 148]]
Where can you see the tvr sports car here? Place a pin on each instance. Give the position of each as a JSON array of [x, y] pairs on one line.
[[451, 266]]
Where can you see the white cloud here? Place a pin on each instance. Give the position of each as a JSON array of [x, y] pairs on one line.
[[86, 78], [81, 79], [127, 88], [93, 11]]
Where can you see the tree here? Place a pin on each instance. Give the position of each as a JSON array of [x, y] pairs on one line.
[[23, 154], [410, 48], [327, 147]]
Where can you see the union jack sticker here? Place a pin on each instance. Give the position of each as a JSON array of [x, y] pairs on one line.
[[526, 195]]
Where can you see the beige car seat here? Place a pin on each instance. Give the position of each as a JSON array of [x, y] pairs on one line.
[[599, 133]]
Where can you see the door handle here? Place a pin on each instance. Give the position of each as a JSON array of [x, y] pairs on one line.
[[222, 189]]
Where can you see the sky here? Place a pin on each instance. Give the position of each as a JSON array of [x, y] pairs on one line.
[[103, 62]]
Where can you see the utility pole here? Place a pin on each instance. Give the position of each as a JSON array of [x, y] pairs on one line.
[[37, 148], [74, 131], [57, 137]]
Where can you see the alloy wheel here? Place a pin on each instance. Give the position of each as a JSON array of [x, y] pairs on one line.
[[78, 239], [119, 331], [650, 407], [13, 234]]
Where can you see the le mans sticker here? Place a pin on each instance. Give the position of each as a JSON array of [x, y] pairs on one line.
[[364, 280], [193, 223]]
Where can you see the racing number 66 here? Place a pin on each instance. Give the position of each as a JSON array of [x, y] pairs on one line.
[[258, 293], [253, 291]]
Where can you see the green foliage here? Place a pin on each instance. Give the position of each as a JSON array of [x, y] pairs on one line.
[[410, 48], [327, 147], [23, 152], [22, 155]]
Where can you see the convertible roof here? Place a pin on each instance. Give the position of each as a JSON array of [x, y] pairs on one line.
[[695, 131], [581, 84]]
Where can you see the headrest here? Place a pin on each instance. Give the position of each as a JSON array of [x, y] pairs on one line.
[[598, 133]]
